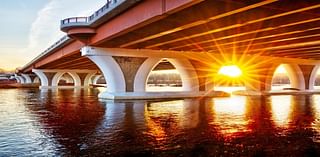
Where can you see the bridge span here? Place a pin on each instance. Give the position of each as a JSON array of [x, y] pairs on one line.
[[126, 39]]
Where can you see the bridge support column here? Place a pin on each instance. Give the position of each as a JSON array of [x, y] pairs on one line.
[[29, 78], [259, 81], [20, 79], [310, 74], [50, 78], [126, 75], [296, 75], [204, 75]]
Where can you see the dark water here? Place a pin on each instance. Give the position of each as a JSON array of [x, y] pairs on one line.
[[76, 123]]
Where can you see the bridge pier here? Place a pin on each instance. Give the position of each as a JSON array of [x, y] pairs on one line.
[[310, 74], [302, 78], [50, 78], [126, 75], [20, 79], [30, 78], [27, 78]]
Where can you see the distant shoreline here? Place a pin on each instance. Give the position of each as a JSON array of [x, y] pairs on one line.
[[14, 84]]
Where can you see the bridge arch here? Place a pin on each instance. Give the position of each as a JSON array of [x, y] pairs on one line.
[[76, 79], [111, 72], [27, 78], [184, 67], [42, 76], [88, 79], [18, 79], [95, 79], [313, 77], [36, 80], [295, 76], [22, 80]]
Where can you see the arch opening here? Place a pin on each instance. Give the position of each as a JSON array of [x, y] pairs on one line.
[[164, 77], [37, 80], [99, 80], [315, 78], [66, 80], [288, 77]]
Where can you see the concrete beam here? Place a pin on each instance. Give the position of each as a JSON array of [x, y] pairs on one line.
[[199, 56]]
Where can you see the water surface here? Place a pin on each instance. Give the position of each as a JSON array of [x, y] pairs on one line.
[[71, 122]]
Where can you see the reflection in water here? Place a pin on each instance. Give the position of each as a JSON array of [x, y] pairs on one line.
[[281, 106], [229, 115], [229, 89], [164, 119], [76, 123], [316, 123], [20, 130]]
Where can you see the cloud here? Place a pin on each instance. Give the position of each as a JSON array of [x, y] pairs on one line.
[[45, 29]]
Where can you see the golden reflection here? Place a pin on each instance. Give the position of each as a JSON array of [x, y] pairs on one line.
[[316, 102], [161, 117], [281, 106], [166, 118], [230, 115], [228, 89]]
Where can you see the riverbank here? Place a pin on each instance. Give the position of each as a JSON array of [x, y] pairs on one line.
[[18, 85]]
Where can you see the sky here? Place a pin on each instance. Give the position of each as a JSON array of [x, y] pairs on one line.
[[28, 27]]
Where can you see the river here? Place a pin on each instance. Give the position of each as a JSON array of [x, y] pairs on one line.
[[71, 122]]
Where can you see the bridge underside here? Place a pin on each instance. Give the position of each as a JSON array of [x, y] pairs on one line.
[[268, 28], [76, 61], [273, 28]]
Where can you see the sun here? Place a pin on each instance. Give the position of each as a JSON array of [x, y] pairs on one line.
[[230, 70]]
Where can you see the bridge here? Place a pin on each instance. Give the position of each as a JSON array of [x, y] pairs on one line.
[[6, 76], [126, 39]]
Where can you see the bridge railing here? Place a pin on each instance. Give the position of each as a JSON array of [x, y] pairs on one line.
[[86, 20], [103, 9], [74, 20], [57, 43], [48, 50]]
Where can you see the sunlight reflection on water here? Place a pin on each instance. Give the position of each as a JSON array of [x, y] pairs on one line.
[[281, 106], [76, 123], [229, 114]]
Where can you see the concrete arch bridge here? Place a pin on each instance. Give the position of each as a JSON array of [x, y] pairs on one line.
[[126, 39]]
